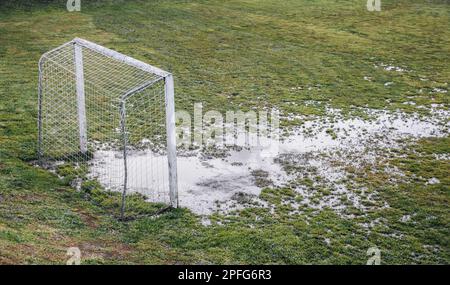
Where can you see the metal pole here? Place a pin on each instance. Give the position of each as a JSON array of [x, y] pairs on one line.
[[124, 137], [39, 149], [81, 102], [171, 140]]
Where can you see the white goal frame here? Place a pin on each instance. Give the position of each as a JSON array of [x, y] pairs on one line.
[[80, 45]]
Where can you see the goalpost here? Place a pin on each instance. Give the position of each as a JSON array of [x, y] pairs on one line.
[[113, 115]]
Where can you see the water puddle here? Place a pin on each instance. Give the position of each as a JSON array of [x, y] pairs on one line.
[[321, 147]]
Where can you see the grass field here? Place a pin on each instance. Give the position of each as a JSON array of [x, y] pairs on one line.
[[304, 57]]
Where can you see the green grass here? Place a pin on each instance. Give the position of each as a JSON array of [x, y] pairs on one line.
[[233, 54]]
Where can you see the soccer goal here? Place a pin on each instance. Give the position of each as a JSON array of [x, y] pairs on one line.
[[111, 115]]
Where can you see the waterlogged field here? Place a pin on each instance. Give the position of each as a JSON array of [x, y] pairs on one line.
[[363, 160]]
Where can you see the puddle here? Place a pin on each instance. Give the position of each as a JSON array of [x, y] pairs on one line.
[[390, 67], [323, 147]]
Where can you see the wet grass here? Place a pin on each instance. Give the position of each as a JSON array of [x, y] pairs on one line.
[[236, 54]]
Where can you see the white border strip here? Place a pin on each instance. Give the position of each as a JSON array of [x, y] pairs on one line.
[[121, 57]]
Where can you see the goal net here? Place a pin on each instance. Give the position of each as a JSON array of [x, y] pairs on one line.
[[112, 116]]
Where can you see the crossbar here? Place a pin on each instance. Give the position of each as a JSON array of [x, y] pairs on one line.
[[121, 57]]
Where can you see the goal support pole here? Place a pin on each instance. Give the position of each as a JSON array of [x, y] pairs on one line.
[[81, 101], [171, 140], [40, 91]]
